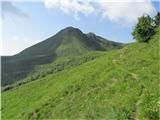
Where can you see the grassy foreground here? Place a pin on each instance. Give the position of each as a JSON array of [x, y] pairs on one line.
[[122, 84]]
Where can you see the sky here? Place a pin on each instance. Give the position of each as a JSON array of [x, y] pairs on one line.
[[27, 22]]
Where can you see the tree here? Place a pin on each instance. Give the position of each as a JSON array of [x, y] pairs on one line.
[[157, 19], [143, 29]]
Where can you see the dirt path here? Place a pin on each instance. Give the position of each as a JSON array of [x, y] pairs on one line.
[[134, 76], [134, 114]]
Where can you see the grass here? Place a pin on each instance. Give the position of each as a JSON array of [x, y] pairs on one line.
[[56, 66], [103, 88]]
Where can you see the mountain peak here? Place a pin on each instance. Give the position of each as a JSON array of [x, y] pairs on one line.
[[70, 28], [70, 31]]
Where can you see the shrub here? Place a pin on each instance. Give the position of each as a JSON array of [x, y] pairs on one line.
[[157, 19], [34, 77], [144, 29], [43, 74]]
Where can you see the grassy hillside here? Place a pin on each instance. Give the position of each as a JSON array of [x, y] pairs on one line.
[[119, 85], [58, 65], [68, 42]]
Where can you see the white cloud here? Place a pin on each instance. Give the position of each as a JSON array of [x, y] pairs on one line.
[[68, 6], [126, 11], [10, 9]]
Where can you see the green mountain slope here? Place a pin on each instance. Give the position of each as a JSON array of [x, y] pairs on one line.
[[68, 42], [122, 84], [58, 65]]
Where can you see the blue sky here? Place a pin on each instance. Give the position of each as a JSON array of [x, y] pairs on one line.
[[27, 23]]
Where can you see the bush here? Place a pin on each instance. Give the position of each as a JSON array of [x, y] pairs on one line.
[[34, 77], [144, 29], [43, 74], [157, 19]]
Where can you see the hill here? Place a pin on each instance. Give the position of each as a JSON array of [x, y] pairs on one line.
[[120, 84], [67, 42]]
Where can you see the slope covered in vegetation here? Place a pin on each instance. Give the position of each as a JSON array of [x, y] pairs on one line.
[[122, 84], [58, 65]]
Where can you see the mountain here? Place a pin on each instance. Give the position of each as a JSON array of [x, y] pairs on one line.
[[67, 42], [120, 84]]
